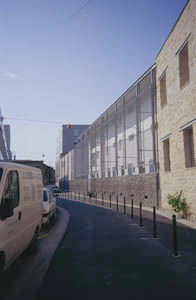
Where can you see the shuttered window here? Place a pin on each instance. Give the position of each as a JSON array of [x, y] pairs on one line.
[[166, 153], [189, 147], [183, 66], [163, 90]]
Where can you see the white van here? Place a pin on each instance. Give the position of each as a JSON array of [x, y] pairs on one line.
[[21, 196], [49, 206]]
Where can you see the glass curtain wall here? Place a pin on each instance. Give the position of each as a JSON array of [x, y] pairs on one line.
[[145, 125], [122, 141], [98, 149], [131, 133], [104, 147], [111, 142], [93, 151], [121, 137]]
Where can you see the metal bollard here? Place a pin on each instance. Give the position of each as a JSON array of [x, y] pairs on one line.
[[71, 195], [102, 199], [154, 223], [175, 240], [96, 198], [79, 195], [124, 206], [84, 196], [117, 202], [131, 208], [110, 200], [75, 195], [141, 224]]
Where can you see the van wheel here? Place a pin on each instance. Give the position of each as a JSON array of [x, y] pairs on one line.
[[2, 261], [48, 221], [33, 244]]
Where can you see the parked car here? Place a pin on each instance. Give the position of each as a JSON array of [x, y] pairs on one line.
[[49, 206], [56, 191], [21, 189]]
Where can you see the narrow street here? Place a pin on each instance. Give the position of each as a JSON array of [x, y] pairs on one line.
[[104, 254]]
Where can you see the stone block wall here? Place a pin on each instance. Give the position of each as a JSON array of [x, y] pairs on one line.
[[179, 110], [143, 187]]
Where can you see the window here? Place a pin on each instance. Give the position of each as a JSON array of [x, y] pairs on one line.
[[75, 132], [131, 137], [120, 145], [183, 66], [11, 189], [189, 147], [166, 154], [130, 169], [45, 198], [163, 90], [122, 171]]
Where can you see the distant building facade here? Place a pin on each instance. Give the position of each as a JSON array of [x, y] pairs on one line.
[[176, 109], [65, 143], [48, 173], [5, 152]]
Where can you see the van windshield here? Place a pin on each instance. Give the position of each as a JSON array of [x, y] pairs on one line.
[[45, 196], [1, 173]]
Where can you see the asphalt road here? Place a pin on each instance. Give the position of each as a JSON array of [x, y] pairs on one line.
[[104, 255]]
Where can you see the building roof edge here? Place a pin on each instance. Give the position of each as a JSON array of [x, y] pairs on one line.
[[172, 28]]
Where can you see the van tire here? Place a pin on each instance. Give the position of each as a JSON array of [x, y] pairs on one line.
[[33, 244], [2, 261]]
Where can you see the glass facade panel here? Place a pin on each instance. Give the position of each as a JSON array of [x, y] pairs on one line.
[[111, 143], [131, 132], [121, 141]]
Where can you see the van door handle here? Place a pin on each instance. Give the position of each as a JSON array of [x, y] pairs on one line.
[[19, 215]]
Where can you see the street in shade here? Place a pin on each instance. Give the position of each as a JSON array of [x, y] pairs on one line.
[[106, 254]]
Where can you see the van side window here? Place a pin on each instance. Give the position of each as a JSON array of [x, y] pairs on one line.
[[11, 189]]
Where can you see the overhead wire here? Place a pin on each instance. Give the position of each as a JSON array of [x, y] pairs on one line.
[[77, 11], [31, 120]]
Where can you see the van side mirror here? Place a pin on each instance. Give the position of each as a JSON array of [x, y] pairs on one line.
[[6, 211]]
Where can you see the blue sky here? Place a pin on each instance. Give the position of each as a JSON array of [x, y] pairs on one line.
[[59, 64]]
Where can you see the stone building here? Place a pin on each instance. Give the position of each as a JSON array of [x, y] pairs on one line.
[[176, 109]]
